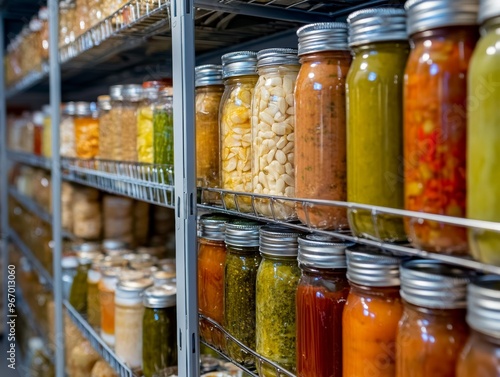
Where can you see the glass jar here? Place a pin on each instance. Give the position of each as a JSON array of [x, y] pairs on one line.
[[435, 96], [38, 133], [78, 292], [480, 356], [127, 134], [145, 125], [320, 163], [240, 272], [371, 313], [159, 349], [105, 127], [129, 312], [107, 287], [163, 127], [86, 130], [67, 130], [273, 131], [111, 131], [483, 177], [69, 265], [432, 330], [47, 132], [164, 277], [375, 121], [277, 279], [240, 77], [209, 89], [321, 296]]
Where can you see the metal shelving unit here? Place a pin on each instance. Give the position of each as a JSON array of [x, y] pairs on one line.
[[29, 159]]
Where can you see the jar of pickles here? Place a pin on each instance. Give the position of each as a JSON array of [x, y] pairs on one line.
[[240, 77], [277, 279], [107, 287], [86, 130], [145, 125], [67, 130], [320, 150], [127, 133], [435, 116], [163, 127], [371, 313], [375, 120], [105, 127], [78, 292]]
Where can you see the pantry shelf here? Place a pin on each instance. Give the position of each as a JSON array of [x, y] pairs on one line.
[[29, 159]]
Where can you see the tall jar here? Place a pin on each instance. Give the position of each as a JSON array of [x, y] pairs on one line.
[[277, 279], [321, 296], [240, 77], [483, 177], [67, 130], [145, 125], [159, 348], [93, 300], [129, 312], [86, 130], [38, 133], [320, 150], [111, 131], [105, 127], [375, 120], [78, 292], [69, 266], [240, 272], [107, 288], [371, 313], [163, 126], [432, 330], [132, 95], [479, 357], [47, 132], [435, 96]]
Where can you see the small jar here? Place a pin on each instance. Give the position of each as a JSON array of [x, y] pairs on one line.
[[276, 285], [105, 126], [273, 131], [240, 76], [320, 149], [86, 130], [479, 357], [78, 293], [132, 95], [47, 132], [371, 313], [163, 127], [129, 312], [435, 115], [38, 133], [164, 277], [107, 287], [240, 272], [375, 120], [69, 266], [145, 125], [432, 330], [67, 130], [111, 147], [321, 295], [159, 349]]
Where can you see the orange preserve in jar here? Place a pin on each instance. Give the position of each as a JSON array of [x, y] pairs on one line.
[[86, 130], [320, 135], [435, 117], [371, 314], [432, 330], [107, 287], [481, 355]]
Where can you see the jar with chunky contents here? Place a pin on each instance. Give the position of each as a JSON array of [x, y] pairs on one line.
[[78, 292], [86, 130], [480, 356], [105, 127], [107, 287], [435, 114], [132, 95], [371, 313], [240, 77], [163, 126], [145, 125], [432, 330], [375, 120], [320, 140], [277, 279], [67, 130], [111, 132]]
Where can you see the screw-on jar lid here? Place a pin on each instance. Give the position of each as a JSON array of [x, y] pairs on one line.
[[209, 74], [377, 25], [319, 251], [163, 277], [83, 109], [279, 241], [88, 257], [115, 92], [212, 226], [433, 284], [104, 102], [69, 262], [86, 246], [135, 286], [150, 93], [430, 14], [483, 305], [369, 266], [111, 244], [128, 274], [239, 63], [243, 233], [69, 108], [132, 92], [277, 56], [162, 296], [488, 9], [322, 36]]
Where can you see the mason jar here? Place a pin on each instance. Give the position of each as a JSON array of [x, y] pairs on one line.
[[127, 133], [78, 292], [67, 130], [107, 288], [106, 129], [163, 128], [112, 134], [145, 125], [86, 130]]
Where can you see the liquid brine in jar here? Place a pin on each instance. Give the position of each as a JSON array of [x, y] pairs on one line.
[[435, 117], [240, 77], [320, 139]]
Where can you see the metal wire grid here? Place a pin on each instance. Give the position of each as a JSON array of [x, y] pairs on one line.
[[29, 159], [324, 6]]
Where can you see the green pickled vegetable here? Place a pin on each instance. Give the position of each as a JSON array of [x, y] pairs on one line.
[[79, 289], [163, 125]]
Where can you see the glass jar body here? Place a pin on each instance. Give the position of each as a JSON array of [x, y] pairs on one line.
[[480, 357], [106, 134], [86, 136], [47, 136], [128, 135], [107, 301], [128, 330], [67, 129], [93, 299], [145, 131], [163, 126], [78, 292]]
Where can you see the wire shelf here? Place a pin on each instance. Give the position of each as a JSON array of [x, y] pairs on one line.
[[29, 159], [30, 80]]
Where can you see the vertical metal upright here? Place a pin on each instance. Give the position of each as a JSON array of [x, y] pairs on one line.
[[55, 105], [183, 60]]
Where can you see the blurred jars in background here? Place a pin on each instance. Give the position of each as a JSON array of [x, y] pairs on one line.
[[127, 133], [86, 130], [111, 131], [47, 132], [145, 150], [105, 127], [67, 130]]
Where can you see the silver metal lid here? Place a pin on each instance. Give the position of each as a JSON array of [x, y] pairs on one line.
[[69, 108], [279, 241], [277, 56], [137, 285], [430, 14], [150, 93], [112, 272], [115, 92], [488, 9], [433, 284], [128, 274], [212, 226], [377, 25], [111, 244], [369, 266], [132, 92], [86, 246], [162, 296], [69, 262], [209, 74], [243, 233], [322, 36], [83, 109], [104, 102], [239, 63], [88, 257], [483, 305], [164, 277], [319, 251]]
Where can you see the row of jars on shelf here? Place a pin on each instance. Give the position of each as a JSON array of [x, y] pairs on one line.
[[319, 307]]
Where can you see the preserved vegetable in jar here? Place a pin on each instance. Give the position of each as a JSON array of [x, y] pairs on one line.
[[145, 125], [163, 126], [127, 134], [111, 133], [93, 301], [105, 127], [67, 130], [435, 96], [38, 133], [86, 131], [375, 121], [78, 292], [320, 149], [107, 287]]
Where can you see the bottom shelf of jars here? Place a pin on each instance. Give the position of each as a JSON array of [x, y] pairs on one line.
[[219, 340]]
